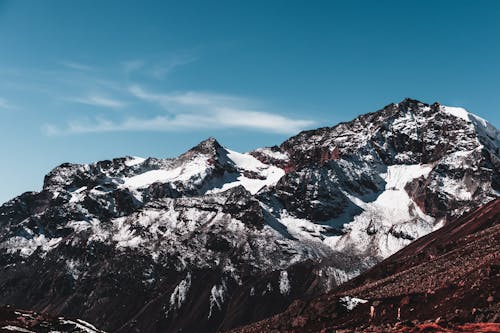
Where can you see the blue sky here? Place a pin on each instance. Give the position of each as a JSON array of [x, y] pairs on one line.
[[82, 81]]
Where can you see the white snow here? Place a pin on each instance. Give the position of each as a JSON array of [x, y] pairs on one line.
[[72, 268], [98, 232], [273, 154], [78, 195], [483, 127], [380, 224], [284, 283], [134, 160], [301, 228], [88, 325], [456, 189], [246, 162], [465, 115], [196, 168], [216, 298], [124, 236], [456, 112], [399, 175], [83, 325], [179, 295], [26, 246], [393, 210], [352, 302], [253, 175], [336, 276], [16, 329]]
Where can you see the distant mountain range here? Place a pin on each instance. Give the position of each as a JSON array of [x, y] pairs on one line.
[[215, 239]]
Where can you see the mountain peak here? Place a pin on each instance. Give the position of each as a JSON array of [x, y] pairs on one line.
[[207, 146], [409, 103]]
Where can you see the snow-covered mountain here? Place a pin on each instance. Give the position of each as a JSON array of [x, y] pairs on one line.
[[214, 238]]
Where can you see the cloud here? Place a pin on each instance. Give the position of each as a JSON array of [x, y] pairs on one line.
[[187, 99], [218, 120], [165, 67], [100, 101], [159, 67], [188, 111]]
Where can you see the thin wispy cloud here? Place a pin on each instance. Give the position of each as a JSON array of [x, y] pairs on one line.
[[188, 111], [158, 68], [165, 67], [189, 98], [99, 101]]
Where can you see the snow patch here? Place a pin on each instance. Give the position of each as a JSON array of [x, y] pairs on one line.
[[195, 168], [216, 298], [82, 325], [27, 246], [284, 283], [456, 112], [277, 155], [78, 195], [134, 160], [390, 222], [351, 302], [301, 228], [482, 126], [72, 268], [16, 329], [94, 225], [179, 295], [247, 165], [336, 276], [124, 236]]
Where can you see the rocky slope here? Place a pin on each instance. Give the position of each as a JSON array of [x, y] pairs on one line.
[[436, 284], [12, 320], [213, 239]]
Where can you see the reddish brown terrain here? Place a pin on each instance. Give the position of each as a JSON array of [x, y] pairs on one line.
[[447, 281]]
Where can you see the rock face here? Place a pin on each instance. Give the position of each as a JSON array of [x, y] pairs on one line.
[[436, 284], [13, 320], [214, 239]]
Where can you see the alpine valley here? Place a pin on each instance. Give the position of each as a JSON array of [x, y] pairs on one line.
[[215, 239]]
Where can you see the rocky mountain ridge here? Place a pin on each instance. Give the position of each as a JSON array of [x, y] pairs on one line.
[[446, 281], [215, 238]]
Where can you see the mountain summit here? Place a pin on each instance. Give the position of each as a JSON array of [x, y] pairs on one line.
[[214, 238]]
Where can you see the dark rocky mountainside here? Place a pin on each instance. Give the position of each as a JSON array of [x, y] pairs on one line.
[[214, 239], [13, 320], [438, 283]]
